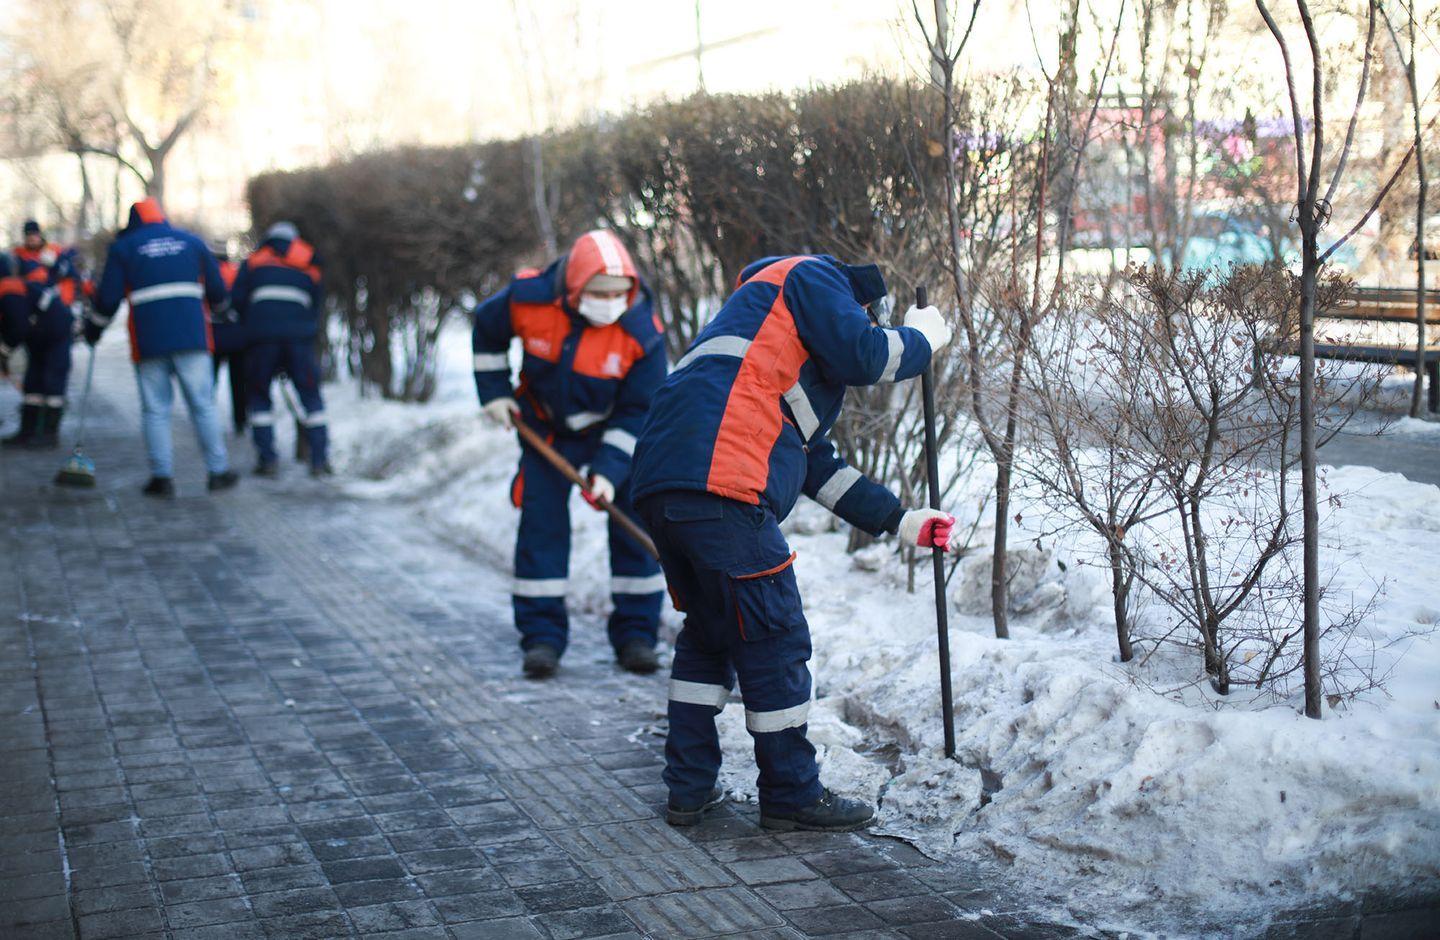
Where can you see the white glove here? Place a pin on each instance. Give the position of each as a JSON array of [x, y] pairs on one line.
[[601, 491], [930, 324], [499, 411], [927, 528]]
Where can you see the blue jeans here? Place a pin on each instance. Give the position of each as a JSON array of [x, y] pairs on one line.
[[157, 395]]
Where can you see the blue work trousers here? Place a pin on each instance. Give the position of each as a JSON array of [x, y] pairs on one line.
[[542, 557], [264, 361], [730, 570]]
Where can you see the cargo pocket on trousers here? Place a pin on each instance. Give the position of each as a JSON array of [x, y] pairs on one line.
[[767, 601]]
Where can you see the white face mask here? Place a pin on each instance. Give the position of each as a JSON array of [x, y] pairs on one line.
[[602, 312]]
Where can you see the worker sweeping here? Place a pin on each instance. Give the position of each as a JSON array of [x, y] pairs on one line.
[[593, 357], [735, 435]]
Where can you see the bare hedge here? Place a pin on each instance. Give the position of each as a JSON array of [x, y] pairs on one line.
[[698, 188]]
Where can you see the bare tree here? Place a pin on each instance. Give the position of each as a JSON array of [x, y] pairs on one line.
[[1313, 209], [127, 86], [1092, 466], [1004, 296]]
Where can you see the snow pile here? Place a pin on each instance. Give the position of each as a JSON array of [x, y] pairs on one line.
[[1074, 769], [1417, 426]]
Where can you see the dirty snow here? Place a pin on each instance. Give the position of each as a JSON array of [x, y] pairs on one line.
[[1074, 771]]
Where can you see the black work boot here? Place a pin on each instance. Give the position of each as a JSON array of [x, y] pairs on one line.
[[29, 420], [638, 657], [222, 481], [677, 814], [269, 469], [47, 433], [830, 814], [322, 471], [541, 661], [162, 487]]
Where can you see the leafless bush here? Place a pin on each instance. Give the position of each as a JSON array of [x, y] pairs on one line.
[[1197, 435]]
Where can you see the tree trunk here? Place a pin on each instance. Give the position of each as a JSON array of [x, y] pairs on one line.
[[1120, 594], [377, 362], [543, 218], [155, 185], [1309, 490], [87, 197], [999, 593]]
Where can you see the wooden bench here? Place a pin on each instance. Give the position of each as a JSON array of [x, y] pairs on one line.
[[1371, 326]]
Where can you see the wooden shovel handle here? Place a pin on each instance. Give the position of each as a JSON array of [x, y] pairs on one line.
[[552, 456]]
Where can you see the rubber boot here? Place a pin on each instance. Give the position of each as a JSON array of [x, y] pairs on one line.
[[47, 433], [29, 419], [830, 814]]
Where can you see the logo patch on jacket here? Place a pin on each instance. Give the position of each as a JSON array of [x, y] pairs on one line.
[[613, 367], [538, 345]]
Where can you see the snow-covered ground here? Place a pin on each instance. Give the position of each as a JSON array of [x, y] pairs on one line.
[[1089, 784]]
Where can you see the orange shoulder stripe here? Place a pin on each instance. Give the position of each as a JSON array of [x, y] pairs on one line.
[[740, 463]]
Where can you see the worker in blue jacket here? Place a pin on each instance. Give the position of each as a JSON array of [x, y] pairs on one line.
[[171, 282], [735, 435], [594, 354], [280, 297], [55, 286]]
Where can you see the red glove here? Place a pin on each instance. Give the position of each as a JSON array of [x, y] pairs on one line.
[[927, 528], [601, 491]]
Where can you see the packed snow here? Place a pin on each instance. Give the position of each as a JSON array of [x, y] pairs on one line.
[[1094, 782]]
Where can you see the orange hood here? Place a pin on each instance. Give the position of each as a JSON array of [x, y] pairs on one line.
[[598, 252]]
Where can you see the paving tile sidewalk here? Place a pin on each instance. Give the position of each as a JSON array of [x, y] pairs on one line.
[[282, 713]]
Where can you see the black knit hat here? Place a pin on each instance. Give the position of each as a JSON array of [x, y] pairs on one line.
[[31, 227]]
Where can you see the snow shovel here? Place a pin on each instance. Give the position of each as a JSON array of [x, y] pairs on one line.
[[568, 471], [932, 476], [79, 470]]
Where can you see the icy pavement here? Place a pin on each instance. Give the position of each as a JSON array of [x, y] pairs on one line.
[[285, 712]]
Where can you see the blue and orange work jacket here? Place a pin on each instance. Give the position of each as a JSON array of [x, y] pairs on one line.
[[746, 413], [279, 292], [54, 283], [171, 279], [576, 379]]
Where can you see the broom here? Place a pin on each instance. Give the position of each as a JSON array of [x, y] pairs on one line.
[[79, 470]]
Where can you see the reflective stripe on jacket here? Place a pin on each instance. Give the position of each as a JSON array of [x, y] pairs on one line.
[[279, 292], [171, 280], [746, 413]]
